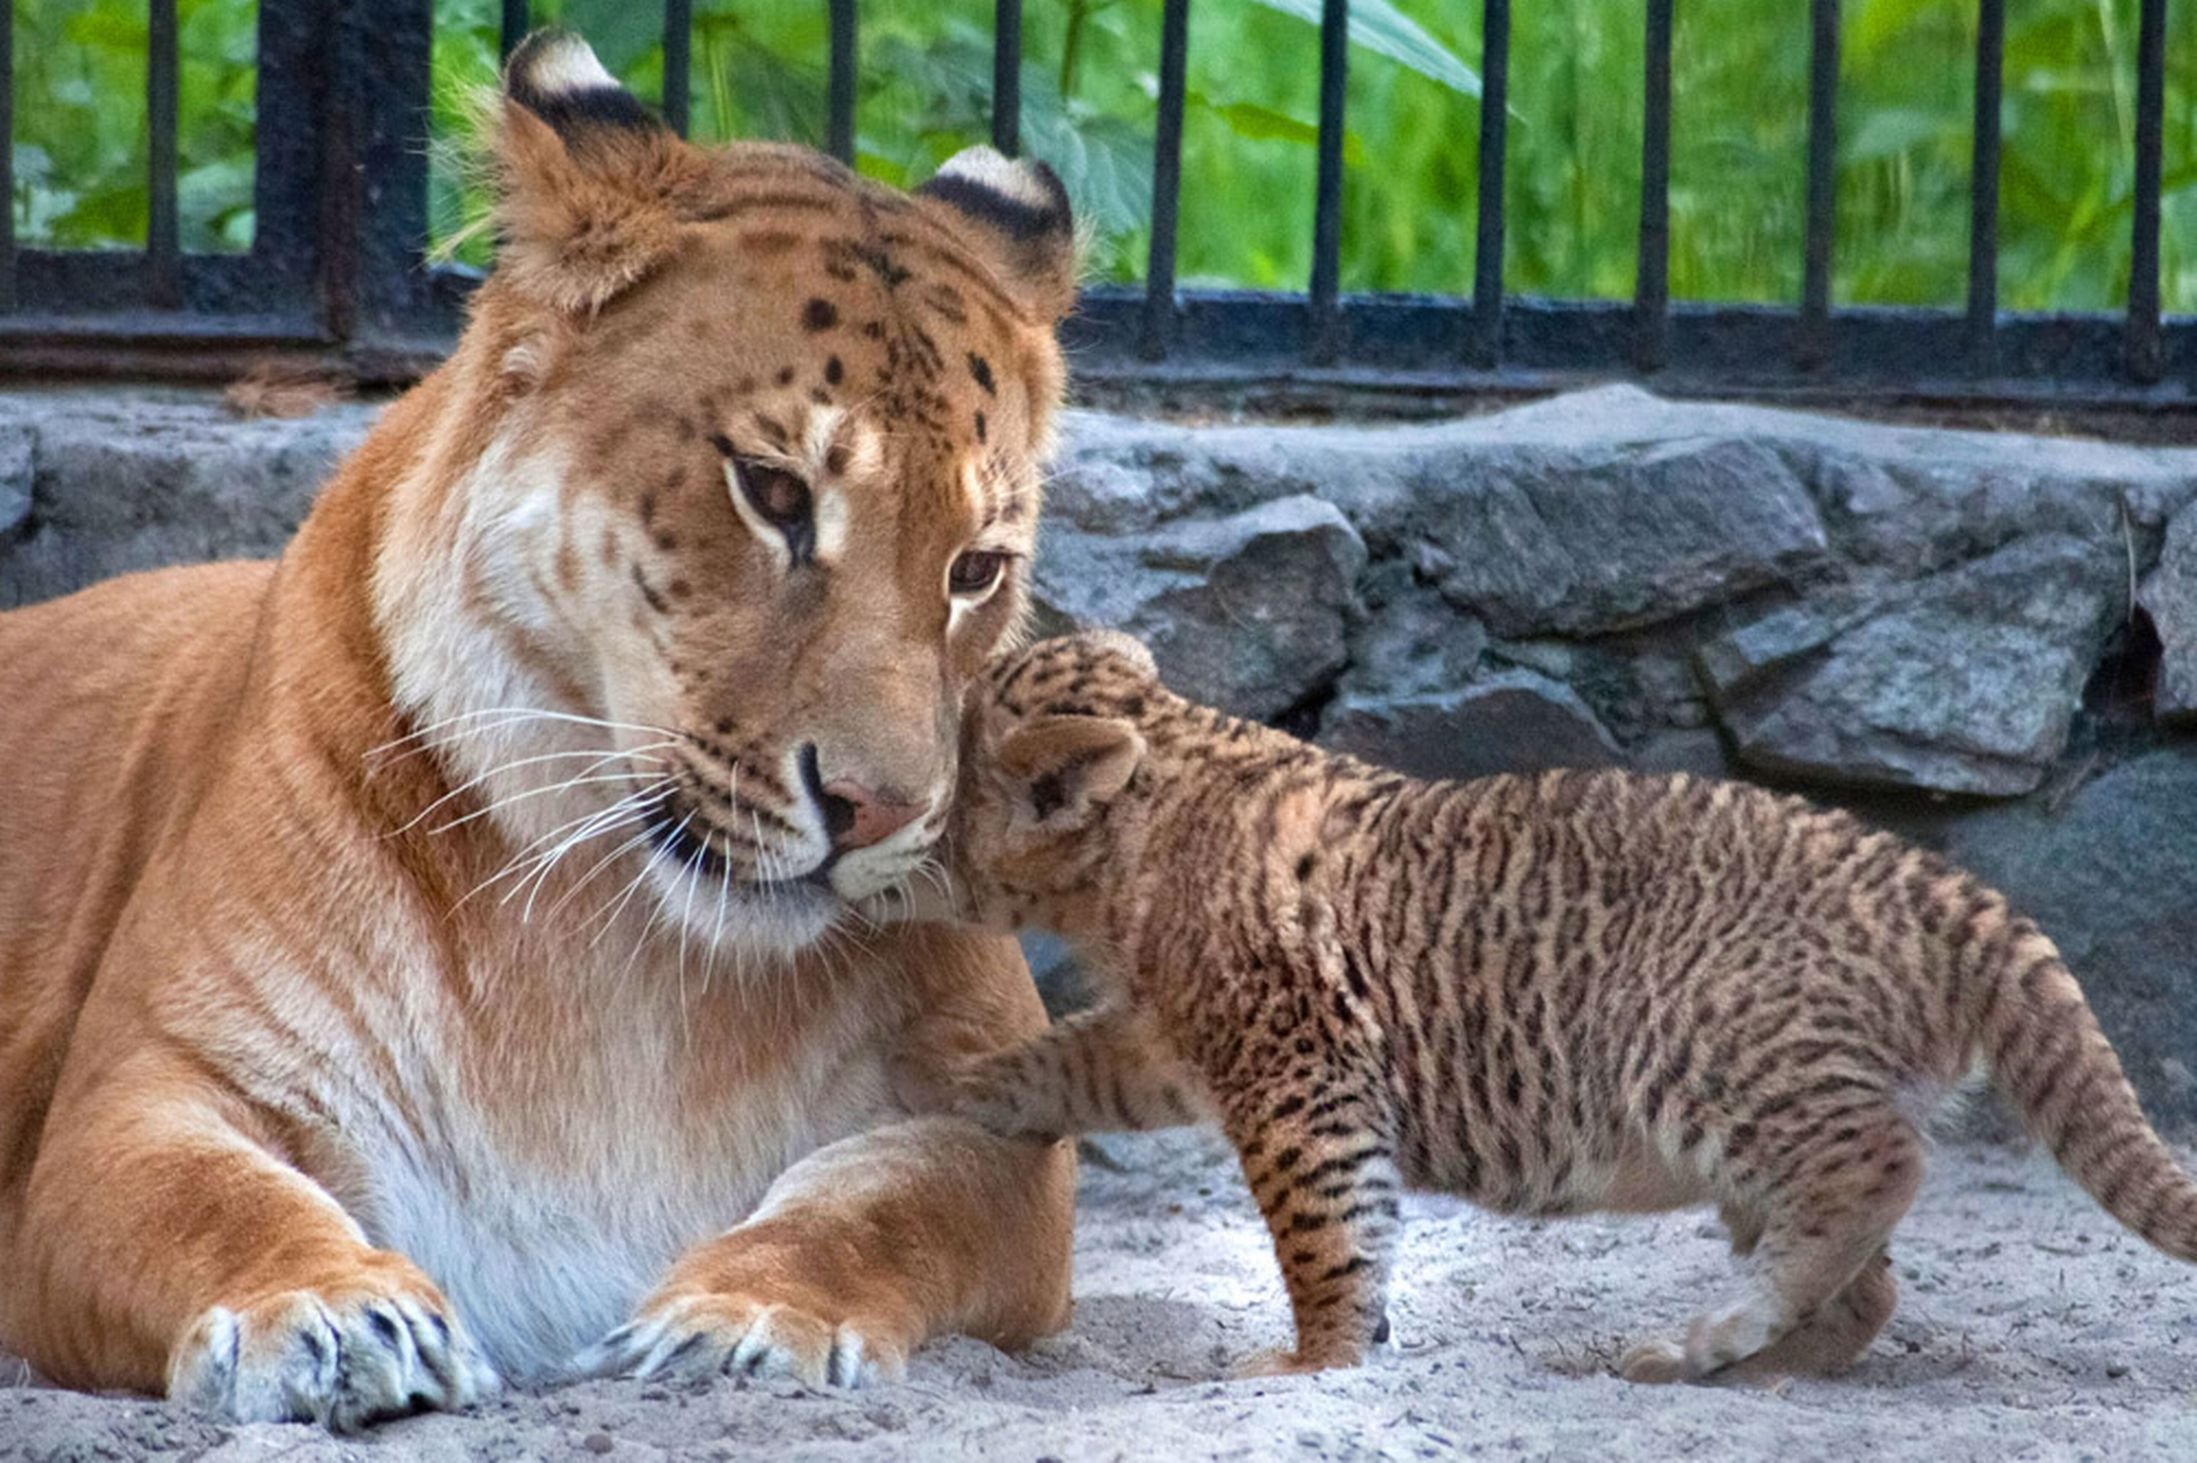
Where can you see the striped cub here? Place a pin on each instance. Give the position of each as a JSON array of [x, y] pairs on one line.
[[1551, 994]]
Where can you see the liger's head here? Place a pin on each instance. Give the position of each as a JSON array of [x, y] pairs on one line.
[[749, 494]]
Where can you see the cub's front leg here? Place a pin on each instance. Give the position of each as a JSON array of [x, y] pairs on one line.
[[872, 1245], [1322, 1167], [1107, 1070]]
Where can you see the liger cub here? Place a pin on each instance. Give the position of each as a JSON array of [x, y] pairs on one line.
[[1549, 994]]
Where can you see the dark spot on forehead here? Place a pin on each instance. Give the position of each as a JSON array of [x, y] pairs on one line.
[[820, 396], [785, 375], [648, 505], [667, 541], [982, 370], [819, 314], [680, 589], [874, 329], [834, 371], [980, 426], [836, 458]]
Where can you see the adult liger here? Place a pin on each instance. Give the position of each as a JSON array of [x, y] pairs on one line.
[[422, 959]]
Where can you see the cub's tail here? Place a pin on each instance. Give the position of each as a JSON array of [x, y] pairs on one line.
[[2047, 1053]]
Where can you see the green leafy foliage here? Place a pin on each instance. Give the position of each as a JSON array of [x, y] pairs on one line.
[[1090, 88], [80, 130]]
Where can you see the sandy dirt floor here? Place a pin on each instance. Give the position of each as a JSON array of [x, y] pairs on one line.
[[2031, 1326]]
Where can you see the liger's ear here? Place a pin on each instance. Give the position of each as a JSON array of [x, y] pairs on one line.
[[1015, 212], [1067, 767], [588, 177]]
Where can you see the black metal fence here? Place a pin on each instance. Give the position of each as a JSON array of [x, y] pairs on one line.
[[337, 270]]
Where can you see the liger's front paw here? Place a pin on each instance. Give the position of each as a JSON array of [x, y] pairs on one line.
[[702, 1335], [341, 1356]]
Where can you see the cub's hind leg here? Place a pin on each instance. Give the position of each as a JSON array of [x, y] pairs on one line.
[[1327, 1184], [1820, 1284]]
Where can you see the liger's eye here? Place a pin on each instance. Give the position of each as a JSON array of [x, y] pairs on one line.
[[976, 571], [777, 497], [777, 494]]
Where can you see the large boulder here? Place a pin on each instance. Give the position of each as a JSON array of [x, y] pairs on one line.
[[17, 475], [2170, 597], [1509, 721], [1251, 612], [1964, 682], [2112, 876], [138, 479]]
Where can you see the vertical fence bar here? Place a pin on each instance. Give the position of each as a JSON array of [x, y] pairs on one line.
[[163, 250], [7, 158], [1007, 76], [678, 57], [840, 142], [1327, 208], [1822, 229], [1159, 272], [1983, 191], [1652, 289], [2144, 355], [1487, 250], [518, 18]]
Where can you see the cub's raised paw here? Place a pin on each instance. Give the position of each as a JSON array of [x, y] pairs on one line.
[[696, 1336], [340, 1356]]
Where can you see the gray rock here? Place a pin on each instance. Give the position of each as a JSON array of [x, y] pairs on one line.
[[2170, 597], [1966, 682], [1251, 612], [2112, 877], [1411, 641], [1513, 721], [16, 480], [1590, 538], [141, 478]]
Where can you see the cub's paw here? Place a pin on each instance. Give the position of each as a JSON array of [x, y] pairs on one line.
[[958, 1089], [340, 1356], [1281, 1362], [701, 1335], [1653, 1363]]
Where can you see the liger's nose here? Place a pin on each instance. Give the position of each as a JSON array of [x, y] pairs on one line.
[[856, 817]]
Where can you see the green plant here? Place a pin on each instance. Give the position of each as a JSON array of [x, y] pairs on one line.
[[1411, 165]]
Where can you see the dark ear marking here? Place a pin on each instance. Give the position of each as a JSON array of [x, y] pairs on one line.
[[1023, 219], [555, 76]]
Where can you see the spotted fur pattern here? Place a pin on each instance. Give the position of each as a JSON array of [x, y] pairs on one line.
[[1551, 994]]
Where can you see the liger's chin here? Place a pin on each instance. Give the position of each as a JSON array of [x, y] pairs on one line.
[[719, 916]]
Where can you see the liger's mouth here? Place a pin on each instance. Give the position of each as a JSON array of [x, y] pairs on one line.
[[678, 840]]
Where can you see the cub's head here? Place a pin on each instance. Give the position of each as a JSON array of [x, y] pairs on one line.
[[729, 491], [1051, 807]]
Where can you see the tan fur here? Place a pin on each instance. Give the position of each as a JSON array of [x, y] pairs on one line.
[[416, 953], [1548, 994]]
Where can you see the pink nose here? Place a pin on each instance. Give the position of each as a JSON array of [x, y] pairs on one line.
[[857, 817]]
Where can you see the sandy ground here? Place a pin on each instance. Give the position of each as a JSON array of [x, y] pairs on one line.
[[2030, 1327]]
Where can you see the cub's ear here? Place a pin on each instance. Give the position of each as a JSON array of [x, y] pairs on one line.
[[1067, 767], [587, 177], [1015, 213]]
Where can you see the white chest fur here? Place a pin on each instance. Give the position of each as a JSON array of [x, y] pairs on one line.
[[548, 1198]]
